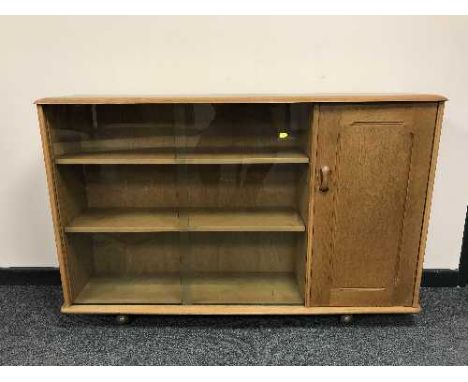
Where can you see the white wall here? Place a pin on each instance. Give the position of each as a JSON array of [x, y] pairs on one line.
[[47, 56]]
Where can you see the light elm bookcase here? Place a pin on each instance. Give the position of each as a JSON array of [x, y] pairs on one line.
[[255, 204]]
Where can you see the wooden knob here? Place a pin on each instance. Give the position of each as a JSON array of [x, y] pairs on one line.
[[324, 178]]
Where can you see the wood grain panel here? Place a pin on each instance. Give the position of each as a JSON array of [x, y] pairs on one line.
[[240, 252], [367, 226], [242, 186], [131, 254], [359, 296], [80, 261], [373, 177], [427, 209], [203, 186], [312, 189], [132, 186]]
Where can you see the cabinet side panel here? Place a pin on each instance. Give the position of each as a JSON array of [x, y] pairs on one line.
[[51, 184], [427, 210], [421, 123]]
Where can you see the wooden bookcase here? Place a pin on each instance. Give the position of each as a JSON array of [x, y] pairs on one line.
[[241, 204]]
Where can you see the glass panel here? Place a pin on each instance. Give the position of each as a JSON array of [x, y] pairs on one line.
[[246, 184], [125, 268], [183, 204], [243, 268], [268, 133], [112, 133]]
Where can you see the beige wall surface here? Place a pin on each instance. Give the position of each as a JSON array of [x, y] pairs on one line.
[[51, 56]]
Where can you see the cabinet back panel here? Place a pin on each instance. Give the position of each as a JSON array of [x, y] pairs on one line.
[[241, 186], [142, 254], [136, 254], [131, 186], [241, 252], [245, 126], [195, 186]]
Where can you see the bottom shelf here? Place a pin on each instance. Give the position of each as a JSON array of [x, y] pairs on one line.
[[161, 289], [245, 288], [202, 288]]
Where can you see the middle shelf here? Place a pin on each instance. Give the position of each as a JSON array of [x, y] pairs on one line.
[[188, 219], [203, 156]]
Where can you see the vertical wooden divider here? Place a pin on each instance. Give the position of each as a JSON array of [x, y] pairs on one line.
[[313, 126]]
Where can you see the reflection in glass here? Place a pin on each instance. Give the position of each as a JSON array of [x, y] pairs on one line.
[[184, 204]]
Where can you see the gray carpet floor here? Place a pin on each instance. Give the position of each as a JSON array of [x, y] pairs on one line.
[[33, 332]]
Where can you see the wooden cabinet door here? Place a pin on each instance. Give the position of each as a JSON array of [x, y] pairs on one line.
[[366, 227]]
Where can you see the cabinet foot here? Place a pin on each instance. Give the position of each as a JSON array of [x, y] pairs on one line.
[[122, 319], [346, 318]]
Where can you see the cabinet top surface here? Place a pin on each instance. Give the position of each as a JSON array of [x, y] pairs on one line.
[[240, 98]]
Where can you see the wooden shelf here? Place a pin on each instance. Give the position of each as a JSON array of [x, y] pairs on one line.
[[158, 289], [145, 156], [137, 156], [126, 220], [163, 220], [244, 288], [245, 220], [140, 156], [242, 157], [206, 288]]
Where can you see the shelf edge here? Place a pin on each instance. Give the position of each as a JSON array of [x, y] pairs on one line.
[[191, 229], [70, 161]]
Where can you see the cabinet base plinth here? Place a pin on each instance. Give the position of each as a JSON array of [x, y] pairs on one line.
[[234, 310]]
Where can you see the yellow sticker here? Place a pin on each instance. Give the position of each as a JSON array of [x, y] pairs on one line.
[[283, 135]]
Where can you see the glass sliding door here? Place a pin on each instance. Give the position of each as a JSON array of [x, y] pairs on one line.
[[183, 203]]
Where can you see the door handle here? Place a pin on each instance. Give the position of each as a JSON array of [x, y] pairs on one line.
[[324, 178]]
